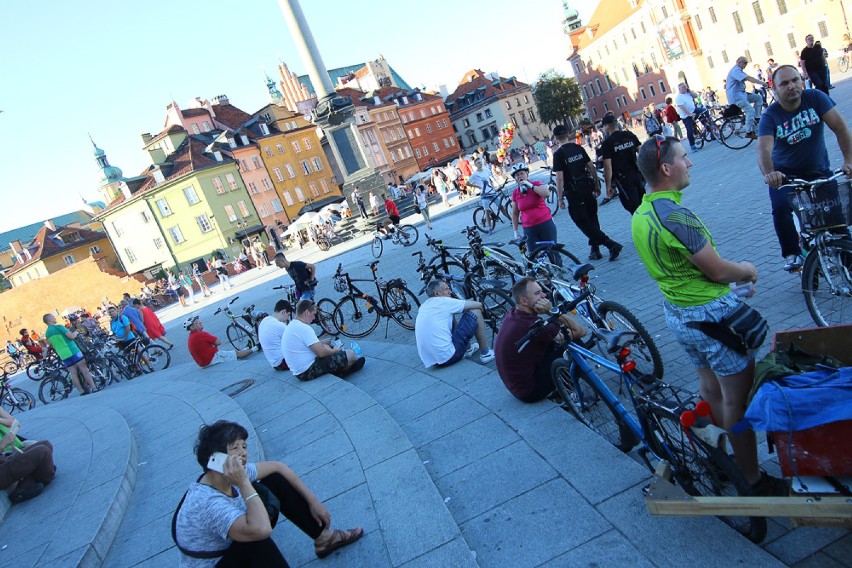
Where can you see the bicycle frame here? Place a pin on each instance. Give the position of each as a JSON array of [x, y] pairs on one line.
[[355, 292]]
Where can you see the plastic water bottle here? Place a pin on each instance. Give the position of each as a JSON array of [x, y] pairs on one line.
[[745, 290], [356, 348]]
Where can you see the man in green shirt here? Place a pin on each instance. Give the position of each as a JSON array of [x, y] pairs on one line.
[[62, 340], [679, 254]]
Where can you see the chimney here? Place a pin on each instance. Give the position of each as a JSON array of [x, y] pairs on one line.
[[146, 137], [16, 246], [50, 224], [220, 100]]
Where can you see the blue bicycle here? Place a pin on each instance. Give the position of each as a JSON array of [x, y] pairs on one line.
[[598, 392]]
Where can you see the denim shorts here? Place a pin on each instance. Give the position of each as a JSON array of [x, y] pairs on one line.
[[463, 332], [72, 360], [705, 352]]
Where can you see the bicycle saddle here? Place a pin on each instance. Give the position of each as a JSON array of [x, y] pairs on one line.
[[373, 264], [616, 339], [581, 270]]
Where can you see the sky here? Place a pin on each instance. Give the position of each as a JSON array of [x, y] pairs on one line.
[[108, 69]]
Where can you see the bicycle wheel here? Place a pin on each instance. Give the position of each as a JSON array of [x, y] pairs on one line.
[[505, 206], [482, 223], [827, 304], [560, 370], [843, 64], [100, 375], [52, 389], [158, 358], [355, 317], [732, 133], [644, 350], [36, 370], [496, 271], [377, 247], [323, 244], [552, 201], [451, 267], [495, 304], [558, 261], [239, 337], [408, 235], [117, 369], [325, 316], [699, 468], [698, 135], [402, 305], [10, 368], [17, 399]]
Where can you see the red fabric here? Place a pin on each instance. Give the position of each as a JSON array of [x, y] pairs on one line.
[[202, 347], [671, 114], [390, 206], [517, 370], [153, 327], [464, 168]]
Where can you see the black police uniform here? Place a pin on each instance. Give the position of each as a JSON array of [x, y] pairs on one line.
[[571, 160], [621, 147]]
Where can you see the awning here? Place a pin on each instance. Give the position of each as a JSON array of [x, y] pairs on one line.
[[320, 203], [249, 231]]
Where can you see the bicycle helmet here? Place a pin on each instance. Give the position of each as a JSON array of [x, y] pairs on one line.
[[189, 321], [520, 167]]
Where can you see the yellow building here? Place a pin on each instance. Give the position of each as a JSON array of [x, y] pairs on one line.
[[54, 248], [295, 160]]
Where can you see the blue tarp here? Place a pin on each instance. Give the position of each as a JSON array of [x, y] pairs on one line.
[[799, 402]]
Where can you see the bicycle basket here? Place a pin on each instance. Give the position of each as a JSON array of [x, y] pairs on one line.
[[340, 284], [825, 206]]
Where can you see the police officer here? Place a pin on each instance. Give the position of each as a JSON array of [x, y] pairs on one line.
[[577, 181], [619, 150]]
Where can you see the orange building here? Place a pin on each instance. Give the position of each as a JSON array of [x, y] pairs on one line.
[[427, 124]]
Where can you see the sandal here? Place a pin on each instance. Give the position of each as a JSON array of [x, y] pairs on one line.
[[339, 539]]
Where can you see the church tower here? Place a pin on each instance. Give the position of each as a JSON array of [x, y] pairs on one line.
[[111, 176], [572, 21]]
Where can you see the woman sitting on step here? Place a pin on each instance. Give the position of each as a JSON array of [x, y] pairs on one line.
[[223, 521]]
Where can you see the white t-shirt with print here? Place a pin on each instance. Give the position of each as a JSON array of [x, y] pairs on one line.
[[433, 329]]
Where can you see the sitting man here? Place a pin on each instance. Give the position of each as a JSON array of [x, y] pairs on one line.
[[307, 356], [25, 467], [204, 347], [438, 341], [527, 374], [32, 346], [270, 332]]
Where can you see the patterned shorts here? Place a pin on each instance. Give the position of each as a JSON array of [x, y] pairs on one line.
[[705, 352], [332, 364]]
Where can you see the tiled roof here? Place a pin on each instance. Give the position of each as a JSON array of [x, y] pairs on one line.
[[191, 112], [608, 14], [230, 115], [27, 233], [475, 79], [47, 243], [335, 74], [354, 94]]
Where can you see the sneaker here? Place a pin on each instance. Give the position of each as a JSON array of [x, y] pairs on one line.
[[471, 349], [768, 486], [19, 495], [693, 148], [486, 357], [794, 263], [595, 254], [614, 251], [356, 366]]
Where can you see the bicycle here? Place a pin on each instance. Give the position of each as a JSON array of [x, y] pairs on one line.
[[695, 456], [14, 398], [325, 308], [142, 360], [843, 61], [357, 314], [241, 331], [732, 130], [405, 235], [324, 243], [823, 209], [445, 259], [485, 217], [552, 199]]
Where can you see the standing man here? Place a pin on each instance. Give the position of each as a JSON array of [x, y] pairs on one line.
[[735, 90], [62, 340], [527, 374], [204, 347], [812, 64], [135, 317], [685, 106], [680, 255], [541, 149], [577, 181], [792, 144], [359, 202], [618, 151], [270, 332], [303, 274]]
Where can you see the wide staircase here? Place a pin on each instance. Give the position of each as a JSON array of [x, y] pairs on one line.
[[440, 467]]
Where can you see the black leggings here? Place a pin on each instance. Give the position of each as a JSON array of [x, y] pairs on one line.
[[265, 552]]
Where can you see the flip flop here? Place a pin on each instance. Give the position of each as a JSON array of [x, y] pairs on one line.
[[338, 540]]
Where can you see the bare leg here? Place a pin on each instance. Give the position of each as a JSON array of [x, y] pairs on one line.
[[87, 376], [481, 338], [243, 353], [75, 379]]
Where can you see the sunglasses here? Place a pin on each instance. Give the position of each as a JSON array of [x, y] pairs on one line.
[[660, 141]]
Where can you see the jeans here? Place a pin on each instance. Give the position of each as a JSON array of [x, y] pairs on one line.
[[543, 232], [689, 124], [752, 104]]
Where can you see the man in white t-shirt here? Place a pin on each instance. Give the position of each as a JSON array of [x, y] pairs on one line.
[[438, 341], [307, 356], [735, 90], [685, 105], [270, 332]]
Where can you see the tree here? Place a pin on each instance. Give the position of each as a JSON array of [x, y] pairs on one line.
[[557, 97]]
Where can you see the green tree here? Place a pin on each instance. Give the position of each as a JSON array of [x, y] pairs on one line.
[[557, 97]]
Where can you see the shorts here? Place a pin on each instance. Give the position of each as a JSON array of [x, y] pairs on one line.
[[463, 332], [704, 351], [332, 364], [223, 356], [72, 360], [394, 219]]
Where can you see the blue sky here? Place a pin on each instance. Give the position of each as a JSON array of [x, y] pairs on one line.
[[110, 68]]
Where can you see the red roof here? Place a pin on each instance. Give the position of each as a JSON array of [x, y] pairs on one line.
[[476, 79], [48, 242], [191, 112], [230, 116]]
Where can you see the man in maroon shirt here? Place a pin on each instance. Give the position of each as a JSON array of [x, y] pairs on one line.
[[204, 347], [527, 374]]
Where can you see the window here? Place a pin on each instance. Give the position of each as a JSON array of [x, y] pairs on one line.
[[508, 105], [710, 61], [665, 12], [724, 56], [191, 196], [324, 184], [416, 132], [267, 150], [276, 205], [163, 206], [712, 14], [232, 143], [288, 199], [513, 119], [130, 256], [466, 123], [256, 161], [698, 22], [479, 117], [317, 164], [642, 92], [261, 209], [195, 129], [651, 90], [425, 151], [436, 147], [300, 195], [243, 208], [308, 144], [768, 47], [278, 175], [206, 126], [229, 211], [244, 167], [232, 183], [117, 229], [598, 84], [69, 259], [158, 243], [296, 147], [585, 94], [782, 6], [748, 54], [204, 223], [526, 99], [606, 106], [642, 25], [252, 187], [263, 130], [217, 183], [737, 23], [531, 114], [617, 102], [823, 29], [306, 167], [429, 128], [266, 183], [313, 187], [417, 153], [280, 148], [177, 236], [95, 249], [290, 171], [146, 218], [447, 142], [791, 39], [758, 13], [663, 86]]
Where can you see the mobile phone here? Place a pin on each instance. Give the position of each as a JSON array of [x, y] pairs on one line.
[[15, 427], [217, 462]]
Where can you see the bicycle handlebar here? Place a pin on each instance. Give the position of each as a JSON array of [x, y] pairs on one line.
[[796, 182], [555, 313]]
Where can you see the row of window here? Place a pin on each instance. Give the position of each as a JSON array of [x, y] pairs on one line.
[[69, 258], [291, 173], [296, 147], [411, 116], [448, 143], [517, 102], [439, 124], [487, 133]]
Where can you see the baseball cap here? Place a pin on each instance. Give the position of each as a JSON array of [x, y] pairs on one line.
[[609, 119]]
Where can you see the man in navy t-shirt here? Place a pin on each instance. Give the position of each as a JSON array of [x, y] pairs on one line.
[[791, 144]]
